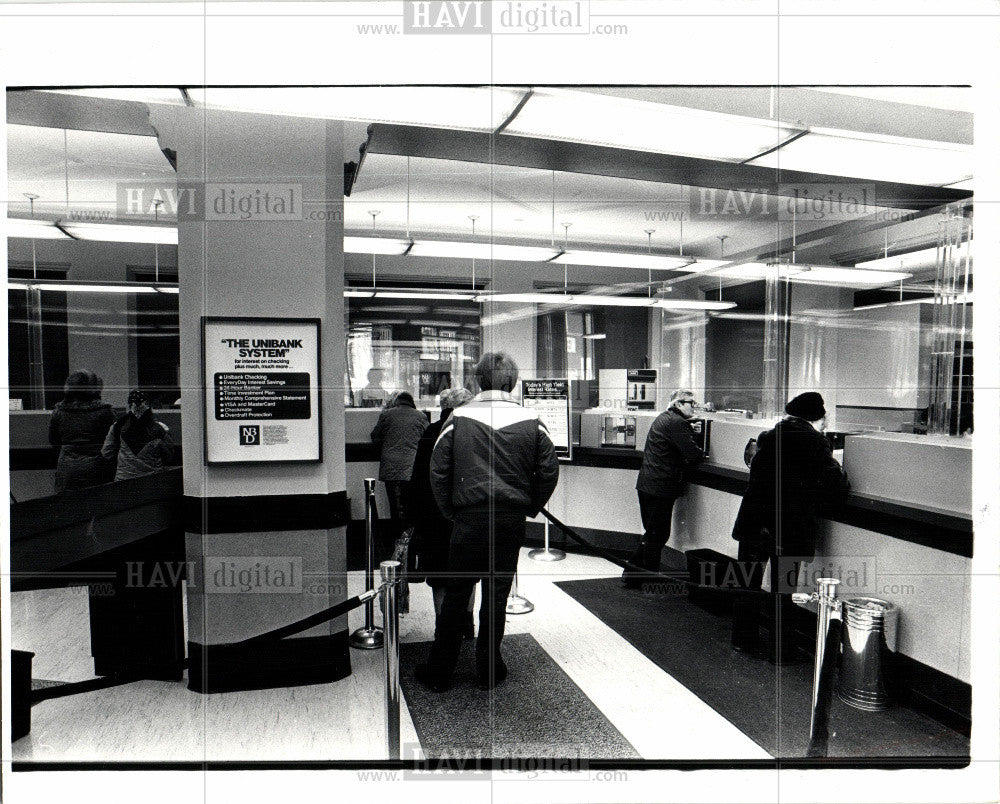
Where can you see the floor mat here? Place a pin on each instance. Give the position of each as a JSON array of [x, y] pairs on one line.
[[769, 704], [538, 712]]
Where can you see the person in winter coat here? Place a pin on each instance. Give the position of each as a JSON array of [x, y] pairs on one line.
[[670, 451], [397, 432], [140, 444], [78, 426], [492, 466], [792, 475], [433, 531]]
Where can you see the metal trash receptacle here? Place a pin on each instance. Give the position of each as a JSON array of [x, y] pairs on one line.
[[868, 640]]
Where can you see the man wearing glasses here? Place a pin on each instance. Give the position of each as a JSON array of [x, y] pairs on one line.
[[671, 450]]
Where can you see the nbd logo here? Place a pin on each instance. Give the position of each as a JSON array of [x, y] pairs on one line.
[[249, 435], [446, 16]]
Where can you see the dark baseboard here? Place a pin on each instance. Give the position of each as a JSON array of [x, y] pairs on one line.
[[937, 695], [285, 663]]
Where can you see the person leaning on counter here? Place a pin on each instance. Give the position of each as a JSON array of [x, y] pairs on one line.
[[670, 451], [792, 474]]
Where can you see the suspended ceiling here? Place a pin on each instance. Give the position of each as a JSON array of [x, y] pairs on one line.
[[73, 168]]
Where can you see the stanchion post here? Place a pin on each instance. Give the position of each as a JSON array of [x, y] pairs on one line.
[[517, 604], [828, 609], [370, 636], [547, 553], [390, 618]]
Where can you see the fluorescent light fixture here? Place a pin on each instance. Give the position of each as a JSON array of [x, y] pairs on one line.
[[699, 265], [92, 287], [692, 304], [866, 156], [432, 295], [960, 298], [34, 228], [914, 260], [614, 259], [119, 233], [591, 118], [595, 300], [811, 274], [375, 245], [485, 251], [525, 298], [595, 336], [351, 293], [828, 275], [758, 270], [466, 108]]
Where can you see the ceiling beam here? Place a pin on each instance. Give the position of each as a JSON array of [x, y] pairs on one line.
[[78, 113], [597, 160]]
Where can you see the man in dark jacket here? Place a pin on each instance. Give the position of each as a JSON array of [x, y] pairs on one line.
[[670, 451], [492, 466], [792, 475], [397, 432], [432, 531]]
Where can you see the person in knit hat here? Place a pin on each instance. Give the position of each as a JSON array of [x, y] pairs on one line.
[[808, 406], [792, 475]]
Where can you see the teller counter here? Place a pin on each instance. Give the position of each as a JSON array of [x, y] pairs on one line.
[[904, 533]]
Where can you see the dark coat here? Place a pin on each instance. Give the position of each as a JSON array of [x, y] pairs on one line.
[[432, 532], [78, 429], [140, 446], [494, 458], [398, 432], [670, 451], [794, 464]]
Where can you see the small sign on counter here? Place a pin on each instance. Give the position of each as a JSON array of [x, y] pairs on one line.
[[549, 398], [262, 398]]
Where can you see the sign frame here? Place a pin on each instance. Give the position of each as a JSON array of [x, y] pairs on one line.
[[314, 328], [563, 454]]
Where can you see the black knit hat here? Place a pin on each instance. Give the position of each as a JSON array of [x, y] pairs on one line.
[[808, 406]]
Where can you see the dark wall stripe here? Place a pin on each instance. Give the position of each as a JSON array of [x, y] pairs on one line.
[[265, 512]]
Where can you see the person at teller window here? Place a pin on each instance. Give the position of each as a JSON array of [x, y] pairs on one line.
[[78, 426], [792, 475], [139, 443], [671, 451]]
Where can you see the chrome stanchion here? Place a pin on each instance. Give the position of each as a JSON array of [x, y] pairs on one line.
[[517, 604], [547, 553], [390, 618], [370, 636], [829, 611]]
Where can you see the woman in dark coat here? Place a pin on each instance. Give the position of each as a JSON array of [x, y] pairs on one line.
[[432, 535], [792, 475], [78, 426], [397, 433]]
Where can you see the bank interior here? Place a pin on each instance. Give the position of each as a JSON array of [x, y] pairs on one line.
[[748, 244]]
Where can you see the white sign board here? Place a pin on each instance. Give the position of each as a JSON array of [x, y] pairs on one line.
[[550, 400], [261, 390]]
